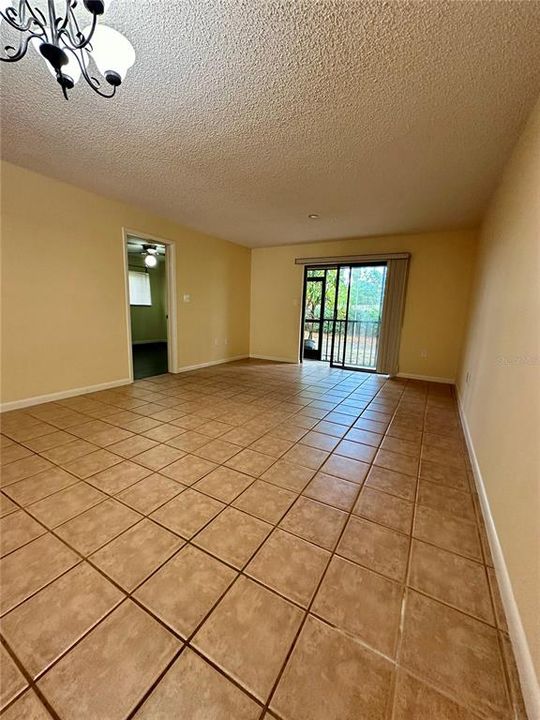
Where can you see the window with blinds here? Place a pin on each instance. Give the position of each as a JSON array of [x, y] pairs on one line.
[[139, 288]]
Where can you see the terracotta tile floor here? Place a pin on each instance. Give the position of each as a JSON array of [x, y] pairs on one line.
[[249, 541]]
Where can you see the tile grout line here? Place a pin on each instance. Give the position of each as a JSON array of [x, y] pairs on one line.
[[30, 686], [401, 627], [307, 612]]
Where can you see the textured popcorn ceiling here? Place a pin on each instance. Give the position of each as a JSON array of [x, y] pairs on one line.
[[240, 118]]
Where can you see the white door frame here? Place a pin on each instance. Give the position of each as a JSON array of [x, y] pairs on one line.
[[170, 266]]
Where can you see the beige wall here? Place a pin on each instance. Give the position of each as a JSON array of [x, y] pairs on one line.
[[63, 289], [436, 305], [501, 399]]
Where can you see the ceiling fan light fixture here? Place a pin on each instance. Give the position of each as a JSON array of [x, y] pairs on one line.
[[150, 261]]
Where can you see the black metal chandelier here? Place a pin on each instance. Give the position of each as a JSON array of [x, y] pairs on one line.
[[69, 51]]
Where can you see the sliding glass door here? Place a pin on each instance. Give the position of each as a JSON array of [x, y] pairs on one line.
[[358, 302]]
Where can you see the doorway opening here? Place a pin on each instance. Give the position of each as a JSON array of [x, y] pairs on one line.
[[148, 306], [342, 314]]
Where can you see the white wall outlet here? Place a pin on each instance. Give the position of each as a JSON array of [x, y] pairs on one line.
[[187, 297], [423, 354]]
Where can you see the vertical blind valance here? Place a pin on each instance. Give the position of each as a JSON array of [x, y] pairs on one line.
[[350, 259]]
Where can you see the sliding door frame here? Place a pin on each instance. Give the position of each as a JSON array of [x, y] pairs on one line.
[[322, 281], [170, 267]]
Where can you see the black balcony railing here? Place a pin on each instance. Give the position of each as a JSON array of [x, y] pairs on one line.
[[360, 345]]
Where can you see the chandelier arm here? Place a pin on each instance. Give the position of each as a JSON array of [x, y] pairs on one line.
[[23, 47], [92, 81], [36, 15], [65, 19], [78, 44], [52, 22], [10, 14], [70, 31], [23, 7]]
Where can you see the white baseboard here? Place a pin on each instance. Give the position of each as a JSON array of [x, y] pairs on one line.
[[62, 395], [187, 368], [427, 378], [147, 342], [274, 359], [522, 653]]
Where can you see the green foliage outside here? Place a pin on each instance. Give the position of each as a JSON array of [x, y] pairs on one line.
[[367, 284]]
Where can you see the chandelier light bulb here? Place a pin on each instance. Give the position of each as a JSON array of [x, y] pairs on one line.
[[112, 53], [150, 261]]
